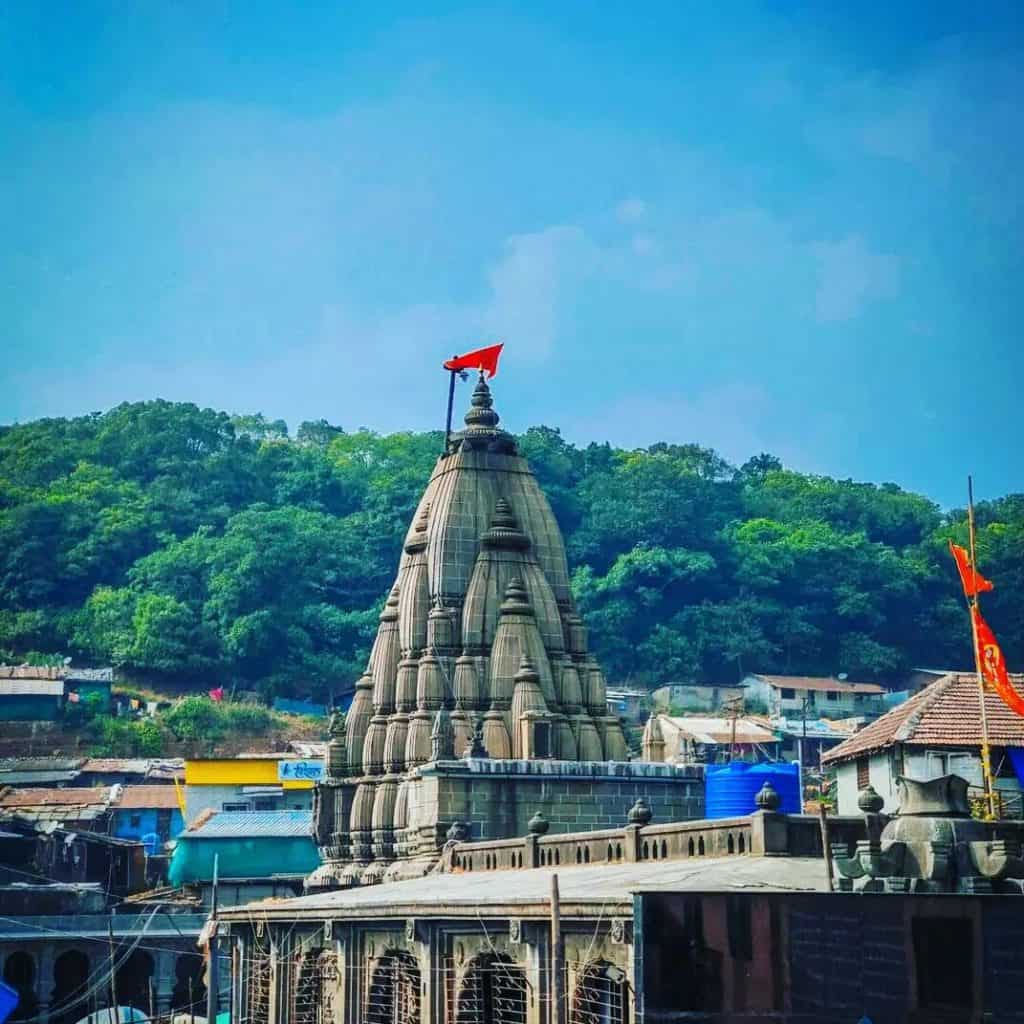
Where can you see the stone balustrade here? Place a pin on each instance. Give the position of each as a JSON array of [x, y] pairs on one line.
[[764, 833]]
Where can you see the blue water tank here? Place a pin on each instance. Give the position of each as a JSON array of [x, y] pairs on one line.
[[8, 1000], [730, 789]]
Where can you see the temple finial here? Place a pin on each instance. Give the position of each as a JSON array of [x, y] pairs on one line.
[[481, 412]]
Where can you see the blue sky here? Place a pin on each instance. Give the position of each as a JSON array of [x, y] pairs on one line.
[[782, 227]]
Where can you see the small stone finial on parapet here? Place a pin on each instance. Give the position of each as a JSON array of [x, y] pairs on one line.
[[653, 742], [337, 746], [458, 832], [475, 747], [869, 800], [640, 813], [538, 825], [768, 798], [442, 737]]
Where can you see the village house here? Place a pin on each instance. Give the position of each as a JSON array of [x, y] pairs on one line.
[[793, 696], [250, 782], [683, 697], [935, 732]]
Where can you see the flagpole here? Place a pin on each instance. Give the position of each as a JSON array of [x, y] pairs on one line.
[[972, 603], [451, 400]]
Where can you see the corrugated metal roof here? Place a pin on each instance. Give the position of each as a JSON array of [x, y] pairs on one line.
[[96, 796], [40, 764], [147, 798], [253, 824], [709, 729], [31, 687], [117, 765], [35, 778]]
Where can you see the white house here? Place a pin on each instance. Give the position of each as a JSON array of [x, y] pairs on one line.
[[793, 696], [936, 732]]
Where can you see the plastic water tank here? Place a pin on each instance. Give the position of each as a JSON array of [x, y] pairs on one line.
[[730, 789]]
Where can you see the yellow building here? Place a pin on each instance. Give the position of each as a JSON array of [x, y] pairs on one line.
[[250, 782]]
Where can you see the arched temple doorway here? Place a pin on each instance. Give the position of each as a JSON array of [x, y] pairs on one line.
[[133, 982], [493, 992], [314, 987], [189, 994], [601, 996], [70, 982], [394, 992], [20, 974]]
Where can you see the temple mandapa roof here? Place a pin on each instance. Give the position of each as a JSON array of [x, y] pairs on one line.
[[945, 713], [474, 893]]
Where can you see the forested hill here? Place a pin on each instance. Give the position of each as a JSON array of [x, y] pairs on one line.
[[188, 544]]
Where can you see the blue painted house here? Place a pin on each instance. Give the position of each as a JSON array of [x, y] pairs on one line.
[[141, 812]]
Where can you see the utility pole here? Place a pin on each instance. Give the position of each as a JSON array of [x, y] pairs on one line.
[[557, 957], [734, 707], [112, 1014], [803, 734], [213, 972]]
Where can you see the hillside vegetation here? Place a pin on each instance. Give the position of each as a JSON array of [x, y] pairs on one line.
[[186, 544]]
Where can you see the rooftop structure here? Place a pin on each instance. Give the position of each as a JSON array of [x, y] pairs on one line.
[[690, 738]]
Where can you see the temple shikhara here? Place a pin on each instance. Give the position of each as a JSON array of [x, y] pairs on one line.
[[480, 691]]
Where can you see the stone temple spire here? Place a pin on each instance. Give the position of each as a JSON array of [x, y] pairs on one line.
[[480, 623]]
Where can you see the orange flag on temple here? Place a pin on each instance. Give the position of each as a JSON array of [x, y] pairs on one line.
[[974, 583], [993, 665], [483, 359]]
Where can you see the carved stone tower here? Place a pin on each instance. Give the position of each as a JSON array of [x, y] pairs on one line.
[[479, 638]]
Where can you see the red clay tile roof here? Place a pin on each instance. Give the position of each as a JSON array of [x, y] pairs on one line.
[[147, 797], [818, 683], [92, 796], [945, 713]]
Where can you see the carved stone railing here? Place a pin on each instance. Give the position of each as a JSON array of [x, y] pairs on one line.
[[764, 833]]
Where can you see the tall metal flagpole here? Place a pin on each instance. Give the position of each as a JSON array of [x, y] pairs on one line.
[[451, 400], [972, 602]]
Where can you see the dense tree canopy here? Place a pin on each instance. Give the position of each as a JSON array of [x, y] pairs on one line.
[[182, 543]]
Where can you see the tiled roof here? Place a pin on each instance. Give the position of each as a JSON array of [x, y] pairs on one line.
[[80, 796], [252, 824], [945, 713], [820, 683], [147, 797]]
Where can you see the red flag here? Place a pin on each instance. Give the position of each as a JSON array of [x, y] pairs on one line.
[[483, 359], [974, 583], [993, 666], [217, 694]]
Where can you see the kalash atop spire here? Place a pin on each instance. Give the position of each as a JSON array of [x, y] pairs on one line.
[[480, 655]]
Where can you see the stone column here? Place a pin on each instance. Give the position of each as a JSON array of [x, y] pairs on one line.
[[45, 980], [164, 963]]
